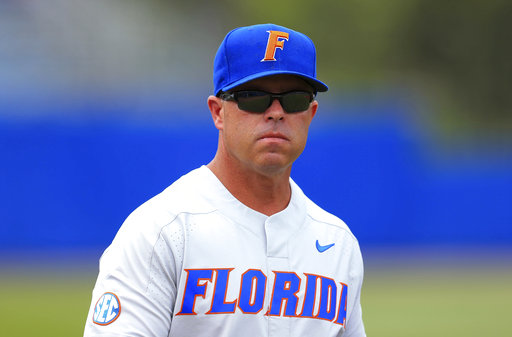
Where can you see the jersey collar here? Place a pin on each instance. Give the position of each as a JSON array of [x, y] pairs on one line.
[[282, 224]]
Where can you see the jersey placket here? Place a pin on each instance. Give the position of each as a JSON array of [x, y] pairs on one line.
[[279, 228]]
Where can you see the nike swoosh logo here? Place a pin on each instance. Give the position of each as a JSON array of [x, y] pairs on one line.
[[321, 248]]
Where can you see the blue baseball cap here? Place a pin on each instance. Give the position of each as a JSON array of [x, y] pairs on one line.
[[252, 52]]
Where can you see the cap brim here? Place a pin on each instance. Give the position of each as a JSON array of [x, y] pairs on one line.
[[316, 84]]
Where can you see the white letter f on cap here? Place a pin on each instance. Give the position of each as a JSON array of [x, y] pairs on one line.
[[273, 43]]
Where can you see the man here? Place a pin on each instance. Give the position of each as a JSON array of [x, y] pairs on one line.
[[235, 248]]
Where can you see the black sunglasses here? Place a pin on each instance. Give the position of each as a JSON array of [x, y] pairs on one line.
[[259, 101]]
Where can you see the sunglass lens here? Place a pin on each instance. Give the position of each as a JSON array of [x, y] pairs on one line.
[[296, 101], [253, 101]]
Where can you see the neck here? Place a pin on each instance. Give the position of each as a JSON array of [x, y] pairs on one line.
[[263, 192]]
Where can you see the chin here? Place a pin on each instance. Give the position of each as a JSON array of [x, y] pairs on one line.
[[273, 167]]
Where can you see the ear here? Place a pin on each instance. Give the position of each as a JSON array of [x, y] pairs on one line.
[[216, 109], [314, 107]]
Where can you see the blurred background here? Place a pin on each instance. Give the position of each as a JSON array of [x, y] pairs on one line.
[[103, 105]]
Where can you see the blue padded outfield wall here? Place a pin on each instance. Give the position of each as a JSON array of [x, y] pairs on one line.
[[68, 185]]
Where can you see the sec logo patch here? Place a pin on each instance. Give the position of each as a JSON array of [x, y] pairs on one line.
[[107, 309]]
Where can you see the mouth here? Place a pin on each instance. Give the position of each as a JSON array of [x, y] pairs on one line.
[[273, 136]]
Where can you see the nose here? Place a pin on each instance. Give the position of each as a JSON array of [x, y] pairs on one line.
[[275, 111]]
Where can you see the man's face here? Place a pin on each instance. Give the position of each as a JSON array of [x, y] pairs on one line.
[[268, 142]]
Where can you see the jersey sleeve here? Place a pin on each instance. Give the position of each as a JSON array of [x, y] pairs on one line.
[[135, 291], [355, 326]]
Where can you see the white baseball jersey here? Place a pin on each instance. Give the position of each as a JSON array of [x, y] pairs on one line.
[[195, 261]]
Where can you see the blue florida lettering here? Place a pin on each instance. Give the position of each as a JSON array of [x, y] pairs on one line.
[[328, 291], [193, 288], [252, 291], [286, 287], [323, 298], [219, 304]]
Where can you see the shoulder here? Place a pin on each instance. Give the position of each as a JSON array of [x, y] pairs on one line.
[[321, 216], [156, 226], [146, 223], [317, 214], [183, 196]]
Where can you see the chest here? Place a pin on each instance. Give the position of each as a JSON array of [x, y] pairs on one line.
[[273, 273]]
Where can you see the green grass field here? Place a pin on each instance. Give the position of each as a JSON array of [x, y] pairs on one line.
[[397, 302], [452, 303]]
